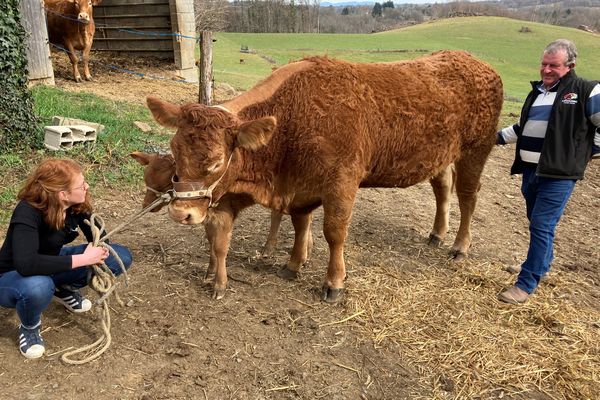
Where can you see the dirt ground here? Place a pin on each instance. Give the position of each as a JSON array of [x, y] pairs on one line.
[[411, 322]]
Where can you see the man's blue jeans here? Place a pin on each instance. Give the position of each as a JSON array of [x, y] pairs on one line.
[[545, 199], [31, 295]]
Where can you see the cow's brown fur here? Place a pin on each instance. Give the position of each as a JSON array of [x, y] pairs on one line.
[[71, 24], [333, 127]]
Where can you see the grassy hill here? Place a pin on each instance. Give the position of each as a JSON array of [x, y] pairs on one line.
[[496, 40]]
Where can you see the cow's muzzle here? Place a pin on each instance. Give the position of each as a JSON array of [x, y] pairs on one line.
[[83, 18]]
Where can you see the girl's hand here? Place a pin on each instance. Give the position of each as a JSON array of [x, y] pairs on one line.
[[91, 255], [96, 255]]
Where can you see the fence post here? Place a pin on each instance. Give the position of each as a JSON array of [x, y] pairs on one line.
[[205, 95], [39, 63]]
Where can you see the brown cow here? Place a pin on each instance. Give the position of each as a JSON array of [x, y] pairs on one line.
[[311, 134], [159, 170], [71, 24]]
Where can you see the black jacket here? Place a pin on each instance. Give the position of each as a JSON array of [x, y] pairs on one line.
[[31, 246], [568, 143]]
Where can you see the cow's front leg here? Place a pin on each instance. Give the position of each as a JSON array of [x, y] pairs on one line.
[[86, 60], [269, 247], [218, 227], [210, 232], [74, 60], [442, 188], [302, 245], [336, 219]]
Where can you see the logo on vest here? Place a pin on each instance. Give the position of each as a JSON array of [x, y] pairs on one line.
[[570, 98]]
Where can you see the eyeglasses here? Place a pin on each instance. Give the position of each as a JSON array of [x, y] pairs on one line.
[[85, 186]]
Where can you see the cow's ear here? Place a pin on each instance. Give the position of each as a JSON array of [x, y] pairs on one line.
[[142, 158], [164, 113], [254, 134]]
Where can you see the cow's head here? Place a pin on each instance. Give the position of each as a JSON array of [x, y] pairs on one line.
[[159, 170], [203, 148], [84, 9]]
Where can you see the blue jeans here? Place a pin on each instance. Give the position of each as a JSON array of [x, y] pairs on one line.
[[31, 295], [545, 199]]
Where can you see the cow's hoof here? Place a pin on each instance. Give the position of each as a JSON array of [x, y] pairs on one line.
[[88, 78], [331, 295], [78, 79], [287, 273], [218, 294], [434, 240], [267, 252], [458, 255]]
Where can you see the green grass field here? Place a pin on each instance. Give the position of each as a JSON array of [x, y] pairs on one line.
[[495, 40]]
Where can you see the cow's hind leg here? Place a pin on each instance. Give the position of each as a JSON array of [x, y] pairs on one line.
[[468, 174], [302, 245], [442, 185], [269, 247]]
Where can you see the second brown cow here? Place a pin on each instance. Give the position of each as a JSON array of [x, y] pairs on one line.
[[71, 24], [315, 131]]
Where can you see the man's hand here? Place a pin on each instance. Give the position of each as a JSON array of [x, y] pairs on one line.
[[499, 138]]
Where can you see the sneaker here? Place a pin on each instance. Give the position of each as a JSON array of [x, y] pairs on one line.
[[513, 295], [72, 300], [595, 152], [31, 344]]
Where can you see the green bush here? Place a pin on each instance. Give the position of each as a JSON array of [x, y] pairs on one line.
[[18, 125]]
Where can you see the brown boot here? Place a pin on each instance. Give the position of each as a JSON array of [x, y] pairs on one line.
[[513, 295], [514, 269]]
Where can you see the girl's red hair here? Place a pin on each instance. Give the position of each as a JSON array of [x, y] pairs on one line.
[[43, 185]]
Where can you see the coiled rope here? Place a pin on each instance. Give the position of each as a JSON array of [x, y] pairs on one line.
[[103, 281]]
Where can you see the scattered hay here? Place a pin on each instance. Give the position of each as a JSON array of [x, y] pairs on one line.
[[469, 345]]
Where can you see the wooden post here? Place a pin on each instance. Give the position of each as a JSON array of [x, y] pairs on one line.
[[184, 45], [206, 68], [39, 63]]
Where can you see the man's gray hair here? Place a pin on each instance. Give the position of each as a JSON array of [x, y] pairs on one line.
[[567, 46]]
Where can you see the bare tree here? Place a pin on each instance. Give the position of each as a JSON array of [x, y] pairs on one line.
[[211, 15]]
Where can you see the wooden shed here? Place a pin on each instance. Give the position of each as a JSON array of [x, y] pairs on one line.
[[138, 28], [157, 28]]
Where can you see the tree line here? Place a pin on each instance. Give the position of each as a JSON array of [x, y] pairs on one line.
[[309, 16]]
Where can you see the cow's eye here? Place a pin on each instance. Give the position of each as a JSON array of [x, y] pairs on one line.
[[216, 165]]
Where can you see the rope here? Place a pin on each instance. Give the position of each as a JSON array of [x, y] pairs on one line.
[[104, 283]]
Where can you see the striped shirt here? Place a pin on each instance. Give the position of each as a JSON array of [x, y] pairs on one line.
[[534, 131]]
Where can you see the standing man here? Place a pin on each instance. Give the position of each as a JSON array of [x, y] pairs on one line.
[[555, 140]]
